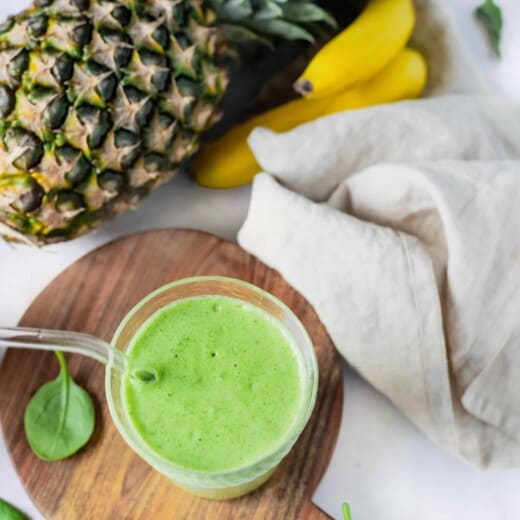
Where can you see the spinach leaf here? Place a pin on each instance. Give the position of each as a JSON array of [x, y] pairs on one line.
[[59, 419], [490, 15], [8, 512]]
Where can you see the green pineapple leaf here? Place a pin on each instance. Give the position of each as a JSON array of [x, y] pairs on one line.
[[268, 11], [239, 34], [235, 10], [281, 28], [307, 12]]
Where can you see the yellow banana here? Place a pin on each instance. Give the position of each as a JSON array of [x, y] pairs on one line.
[[228, 161], [360, 51]]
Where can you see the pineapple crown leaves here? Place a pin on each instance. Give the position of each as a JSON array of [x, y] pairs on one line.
[[263, 20]]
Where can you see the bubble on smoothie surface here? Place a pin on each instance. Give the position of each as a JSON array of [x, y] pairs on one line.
[[144, 375]]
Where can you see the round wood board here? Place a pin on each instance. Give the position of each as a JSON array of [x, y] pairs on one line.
[[106, 480]]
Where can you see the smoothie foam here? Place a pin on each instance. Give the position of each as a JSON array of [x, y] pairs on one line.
[[229, 384]]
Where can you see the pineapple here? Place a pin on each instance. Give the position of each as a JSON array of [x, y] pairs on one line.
[[102, 100]]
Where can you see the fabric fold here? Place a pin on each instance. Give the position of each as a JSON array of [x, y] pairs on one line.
[[315, 157], [376, 272], [413, 266]]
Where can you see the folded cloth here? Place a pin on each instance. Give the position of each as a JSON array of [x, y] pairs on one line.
[[400, 224]]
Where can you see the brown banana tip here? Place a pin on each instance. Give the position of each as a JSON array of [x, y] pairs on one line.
[[303, 87]]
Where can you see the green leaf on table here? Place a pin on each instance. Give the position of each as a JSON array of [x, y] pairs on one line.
[[59, 419], [490, 15], [8, 512]]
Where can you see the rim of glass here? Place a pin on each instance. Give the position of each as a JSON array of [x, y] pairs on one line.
[[287, 441]]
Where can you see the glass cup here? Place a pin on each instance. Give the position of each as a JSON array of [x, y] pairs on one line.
[[210, 484]]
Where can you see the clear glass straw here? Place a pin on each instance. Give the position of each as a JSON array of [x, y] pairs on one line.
[[64, 341]]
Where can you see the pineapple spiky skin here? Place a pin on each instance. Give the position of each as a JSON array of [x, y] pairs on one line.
[[102, 100]]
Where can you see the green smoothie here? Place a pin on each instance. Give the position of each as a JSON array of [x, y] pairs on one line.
[[228, 386]]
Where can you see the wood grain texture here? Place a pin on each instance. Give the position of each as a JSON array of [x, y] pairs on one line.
[[106, 480]]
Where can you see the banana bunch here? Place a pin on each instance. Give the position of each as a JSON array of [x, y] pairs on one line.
[[366, 64]]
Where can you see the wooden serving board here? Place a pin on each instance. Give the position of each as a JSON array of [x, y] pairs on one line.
[[106, 480]]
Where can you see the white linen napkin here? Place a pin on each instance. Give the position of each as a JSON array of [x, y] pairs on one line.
[[401, 225]]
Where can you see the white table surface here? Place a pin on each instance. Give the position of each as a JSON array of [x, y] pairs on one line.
[[383, 466]]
